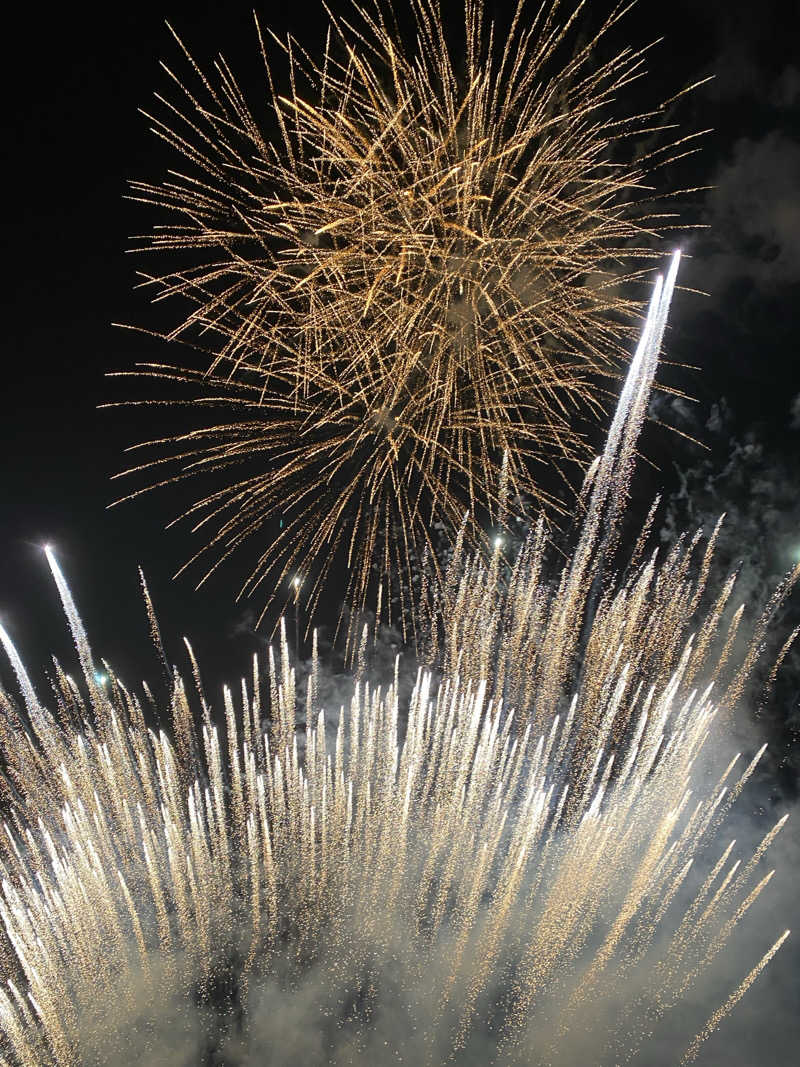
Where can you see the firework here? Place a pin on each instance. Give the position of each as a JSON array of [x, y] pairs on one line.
[[453, 880], [427, 273]]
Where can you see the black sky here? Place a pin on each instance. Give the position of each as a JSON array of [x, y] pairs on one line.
[[74, 77]]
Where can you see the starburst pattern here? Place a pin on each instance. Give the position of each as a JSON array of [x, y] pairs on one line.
[[430, 270]]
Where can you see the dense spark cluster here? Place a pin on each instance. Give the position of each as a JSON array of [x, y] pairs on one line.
[[528, 634], [455, 880], [430, 268]]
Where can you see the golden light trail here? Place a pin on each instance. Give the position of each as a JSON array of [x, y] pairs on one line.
[[435, 263]]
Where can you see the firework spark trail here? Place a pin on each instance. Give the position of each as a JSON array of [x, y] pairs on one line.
[[417, 882], [525, 641], [412, 814], [732, 1001], [432, 269]]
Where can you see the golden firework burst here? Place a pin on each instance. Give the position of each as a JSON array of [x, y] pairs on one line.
[[428, 267]]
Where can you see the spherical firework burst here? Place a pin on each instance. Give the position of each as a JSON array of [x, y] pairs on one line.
[[430, 271], [446, 881]]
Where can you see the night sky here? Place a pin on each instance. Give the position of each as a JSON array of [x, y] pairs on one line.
[[73, 137]]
